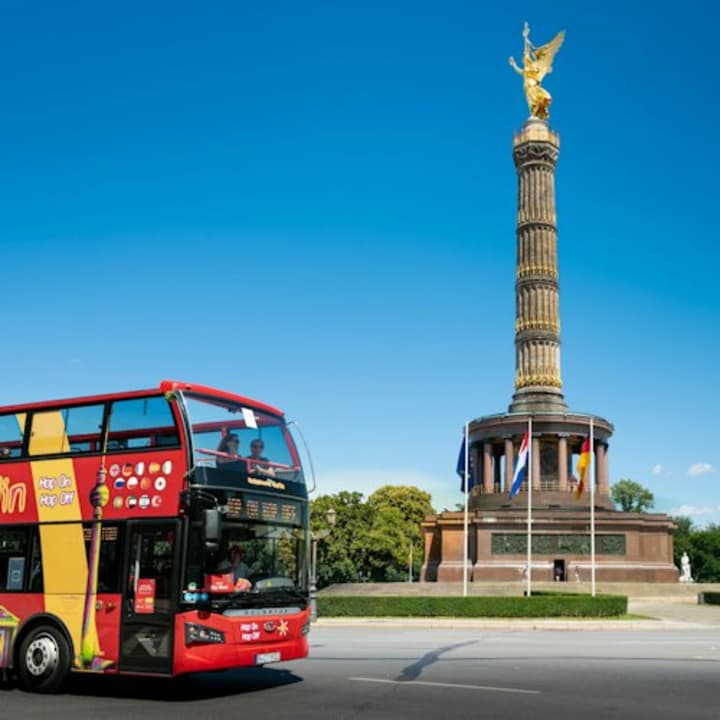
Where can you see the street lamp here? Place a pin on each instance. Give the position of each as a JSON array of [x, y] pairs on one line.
[[330, 516]]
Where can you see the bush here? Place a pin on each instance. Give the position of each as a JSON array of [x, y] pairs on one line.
[[574, 605], [710, 598]]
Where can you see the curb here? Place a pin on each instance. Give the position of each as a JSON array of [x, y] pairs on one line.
[[512, 625]]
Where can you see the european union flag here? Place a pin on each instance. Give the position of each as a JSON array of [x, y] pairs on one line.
[[461, 470]]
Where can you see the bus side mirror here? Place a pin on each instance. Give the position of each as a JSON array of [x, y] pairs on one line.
[[211, 530]]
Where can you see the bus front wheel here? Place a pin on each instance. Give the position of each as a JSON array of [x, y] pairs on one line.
[[44, 659]]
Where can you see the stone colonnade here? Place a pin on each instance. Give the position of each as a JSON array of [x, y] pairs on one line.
[[496, 462], [556, 444]]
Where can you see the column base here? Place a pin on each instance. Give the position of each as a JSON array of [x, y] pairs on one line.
[[538, 401]]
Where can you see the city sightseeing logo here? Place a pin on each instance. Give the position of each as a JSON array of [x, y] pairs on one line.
[[12, 497]]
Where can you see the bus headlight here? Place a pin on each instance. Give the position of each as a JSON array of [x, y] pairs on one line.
[[202, 635]]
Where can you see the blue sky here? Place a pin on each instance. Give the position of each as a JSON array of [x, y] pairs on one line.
[[314, 204]]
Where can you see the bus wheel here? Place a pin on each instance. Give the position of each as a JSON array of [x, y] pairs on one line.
[[44, 660]]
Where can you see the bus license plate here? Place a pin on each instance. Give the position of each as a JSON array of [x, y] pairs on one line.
[[262, 658]]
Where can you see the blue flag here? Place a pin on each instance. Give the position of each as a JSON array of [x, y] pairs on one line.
[[461, 470]]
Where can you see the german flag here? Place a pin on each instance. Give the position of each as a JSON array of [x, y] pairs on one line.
[[582, 467]]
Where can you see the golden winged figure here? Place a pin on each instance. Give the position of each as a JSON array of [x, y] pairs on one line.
[[537, 63]]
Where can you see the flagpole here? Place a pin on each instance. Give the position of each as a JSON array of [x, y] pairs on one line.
[[529, 511], [591, 473], [465, 532], [410, 563]]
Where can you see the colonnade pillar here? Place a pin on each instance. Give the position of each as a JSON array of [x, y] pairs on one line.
[[535, 463], [487, 468], [562, 463], [509, 462], [603, 480]]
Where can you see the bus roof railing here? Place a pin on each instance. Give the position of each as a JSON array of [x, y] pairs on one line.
[[164, 387]]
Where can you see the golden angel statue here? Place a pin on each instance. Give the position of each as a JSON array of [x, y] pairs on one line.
[[537, 63]]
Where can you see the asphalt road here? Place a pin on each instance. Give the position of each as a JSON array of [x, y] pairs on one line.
[[418, 672]]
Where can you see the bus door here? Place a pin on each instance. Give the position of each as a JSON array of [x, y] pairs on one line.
[[150, 580]]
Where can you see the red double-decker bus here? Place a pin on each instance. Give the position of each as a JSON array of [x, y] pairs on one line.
[[118, 518]]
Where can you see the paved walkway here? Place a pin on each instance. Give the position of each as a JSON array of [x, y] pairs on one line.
[[677, 612]]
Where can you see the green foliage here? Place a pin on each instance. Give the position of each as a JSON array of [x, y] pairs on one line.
[[704, 554], [340, 555], [630, 496], [413, 504], [702, 547], [681, 538], [371, 540], [413, 606]]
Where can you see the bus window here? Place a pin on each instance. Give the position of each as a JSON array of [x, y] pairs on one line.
[[273, 552], [75, 429], [141, 423], [151, 559], [194, 566], [213, 421], [11, 436], [36, 568], [13, 554], [110, 553]]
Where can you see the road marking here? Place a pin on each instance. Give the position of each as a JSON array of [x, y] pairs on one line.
[[446, 685]]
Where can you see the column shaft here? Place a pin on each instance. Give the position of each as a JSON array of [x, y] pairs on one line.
[[487, 468], [535, 464], [602, 460], [562, 464], [509, 462]]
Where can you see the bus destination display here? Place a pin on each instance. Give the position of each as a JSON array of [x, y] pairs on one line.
[[259, 507]]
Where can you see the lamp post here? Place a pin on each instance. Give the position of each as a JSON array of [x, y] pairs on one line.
[[316, 536]]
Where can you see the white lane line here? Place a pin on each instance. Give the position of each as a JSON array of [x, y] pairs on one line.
[[446, 685]]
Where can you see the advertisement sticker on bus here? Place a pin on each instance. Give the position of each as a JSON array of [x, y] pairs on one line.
[[145, 596]]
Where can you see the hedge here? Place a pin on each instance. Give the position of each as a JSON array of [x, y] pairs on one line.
[[710, 598], [575, 605]]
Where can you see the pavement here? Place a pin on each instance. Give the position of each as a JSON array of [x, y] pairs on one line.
[[661, 607]]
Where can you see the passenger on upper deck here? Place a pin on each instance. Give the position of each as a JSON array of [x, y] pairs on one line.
[[257, 446], [230, 444]]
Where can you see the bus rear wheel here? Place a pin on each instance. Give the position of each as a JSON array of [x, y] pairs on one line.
[[44, 660]]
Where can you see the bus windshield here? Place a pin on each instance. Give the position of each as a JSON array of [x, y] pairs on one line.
[[231, 437], [258, 565]]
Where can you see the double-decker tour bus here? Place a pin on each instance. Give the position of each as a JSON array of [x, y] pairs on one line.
[[119, 515]]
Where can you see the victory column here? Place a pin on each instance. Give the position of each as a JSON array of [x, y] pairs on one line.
[[629, 546]]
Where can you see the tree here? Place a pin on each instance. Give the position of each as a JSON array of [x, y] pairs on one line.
[[682, 538], [370, 540], [402, 508], [412, 503], [632, 496], [341, 555], [704, 554]]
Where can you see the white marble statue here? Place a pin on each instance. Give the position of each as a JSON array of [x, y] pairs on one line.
[[685, 573]]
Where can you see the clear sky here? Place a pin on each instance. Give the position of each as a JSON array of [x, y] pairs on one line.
[[313, 204]]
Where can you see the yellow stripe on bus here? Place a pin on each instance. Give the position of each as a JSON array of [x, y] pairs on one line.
[[64, 559]]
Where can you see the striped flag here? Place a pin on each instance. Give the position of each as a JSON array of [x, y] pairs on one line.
[[582, 467], [520, 467]]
